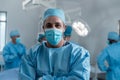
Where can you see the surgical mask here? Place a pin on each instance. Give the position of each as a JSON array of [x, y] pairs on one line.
[[53, 36], [18, 40], [108, 42]]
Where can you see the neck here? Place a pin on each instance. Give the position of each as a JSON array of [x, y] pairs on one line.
[[14, 42], [61, 43]]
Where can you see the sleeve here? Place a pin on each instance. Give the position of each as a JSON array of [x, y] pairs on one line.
[[8, 57], [101, 60], [27, 67], [23, 52], [80, 68]]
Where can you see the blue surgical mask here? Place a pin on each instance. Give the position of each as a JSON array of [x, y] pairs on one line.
[[18, 40], [53, 36], [108, 42]]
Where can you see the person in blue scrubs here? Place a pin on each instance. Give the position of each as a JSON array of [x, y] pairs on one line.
[[111, 55], [41, 37], [55, 59], [68, 33], [13, 51]]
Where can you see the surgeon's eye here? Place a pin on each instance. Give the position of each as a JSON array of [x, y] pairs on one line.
[[58, 25], [48, 25]]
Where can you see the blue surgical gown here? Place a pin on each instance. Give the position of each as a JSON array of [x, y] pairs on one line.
[[12, 54], [111, 54], [69, 62]]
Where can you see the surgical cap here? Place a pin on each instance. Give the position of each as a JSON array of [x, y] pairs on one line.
[[54, 12], [40, 36], [68, 30], [113, 36], [14, 33]]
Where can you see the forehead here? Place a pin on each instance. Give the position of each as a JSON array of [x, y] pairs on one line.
[[53, 19]]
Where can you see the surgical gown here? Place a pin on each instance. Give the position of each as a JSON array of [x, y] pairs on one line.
[[12, 54], [111, 54], [69, 62]]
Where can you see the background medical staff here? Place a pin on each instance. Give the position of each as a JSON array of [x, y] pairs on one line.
[[41, 37], [111, 54], [68, 33], [55, 59], [13, 51]]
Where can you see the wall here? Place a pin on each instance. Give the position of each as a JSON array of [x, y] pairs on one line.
[[102, 17], [24, 21]]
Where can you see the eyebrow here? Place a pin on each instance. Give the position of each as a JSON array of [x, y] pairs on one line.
[[53, 23]]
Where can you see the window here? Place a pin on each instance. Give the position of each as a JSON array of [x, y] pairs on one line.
[[3, 23]]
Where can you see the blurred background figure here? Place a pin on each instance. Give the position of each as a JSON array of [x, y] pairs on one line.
[[113, 37], [41, 37], [68, 33], [111, 55], [13, 51]]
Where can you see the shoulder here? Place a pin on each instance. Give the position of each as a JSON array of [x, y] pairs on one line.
[[32, 53], [21, 44], [76, 46], [105, 51], [8, 45], [35, 49], [112, 46], [77, 49]]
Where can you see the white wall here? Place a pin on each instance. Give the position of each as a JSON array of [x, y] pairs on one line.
[[25, 21]]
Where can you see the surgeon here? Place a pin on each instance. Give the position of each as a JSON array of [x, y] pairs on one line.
[[111, 55], [68, 33], [55, 59], [13, 51]]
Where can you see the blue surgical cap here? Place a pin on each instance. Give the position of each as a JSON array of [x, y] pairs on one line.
[[68, 31], [14, 33], [54, 12], [113, 36], [40, 36]]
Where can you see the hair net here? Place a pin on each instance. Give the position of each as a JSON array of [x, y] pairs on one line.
[[113, 36], [14, 33], [54, 12], [68, 30]]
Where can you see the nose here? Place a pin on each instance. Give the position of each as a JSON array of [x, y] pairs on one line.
[[53, 25]]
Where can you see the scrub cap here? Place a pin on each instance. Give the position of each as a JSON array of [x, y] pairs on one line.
[[54, 12], [68, 30], [113, 36], [14, 33]]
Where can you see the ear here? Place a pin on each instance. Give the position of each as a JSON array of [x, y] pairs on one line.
[[43, 28]]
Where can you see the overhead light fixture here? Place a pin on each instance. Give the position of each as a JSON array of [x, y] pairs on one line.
[[81, 28], [29, 4]]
